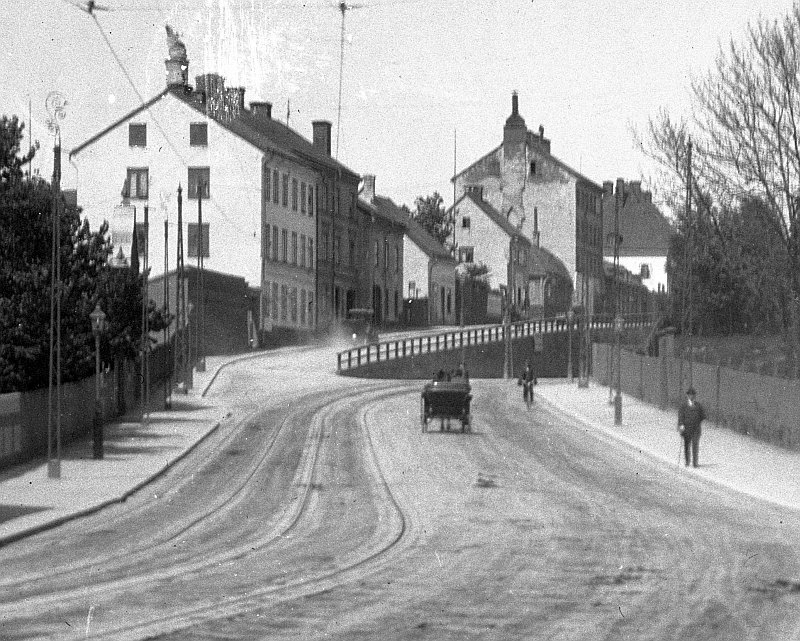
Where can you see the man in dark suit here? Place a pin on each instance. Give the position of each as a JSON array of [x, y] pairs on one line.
[[690, 416]]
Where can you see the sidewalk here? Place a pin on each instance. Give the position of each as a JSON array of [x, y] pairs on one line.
[[737, 461], [134, 454]]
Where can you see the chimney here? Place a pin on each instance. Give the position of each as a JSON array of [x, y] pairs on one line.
[[368, 189], [648, 196], [177, 65], [608, 187], [635, 187], [322, 136], [514, 104], [261, 109], [237, 97], [514, 131], [541, 132]]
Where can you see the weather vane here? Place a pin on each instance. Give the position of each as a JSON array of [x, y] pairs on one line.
[[56, 105]]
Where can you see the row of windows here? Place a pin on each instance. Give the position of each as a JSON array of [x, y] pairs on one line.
[[198, 134], [137, 182], [398, 259], [276, 188], [124, 237], [284, 303], [278, 247]]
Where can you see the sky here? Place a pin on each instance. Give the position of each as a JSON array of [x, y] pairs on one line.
[[426, 84]]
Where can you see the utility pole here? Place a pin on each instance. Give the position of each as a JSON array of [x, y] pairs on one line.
[[690, 254], [55, 104], [182, 368], [167, 372], [617, 315]]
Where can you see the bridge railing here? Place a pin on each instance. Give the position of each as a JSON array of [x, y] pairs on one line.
[[361, 355]]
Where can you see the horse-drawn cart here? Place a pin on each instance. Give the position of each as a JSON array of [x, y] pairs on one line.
[[446, 400]]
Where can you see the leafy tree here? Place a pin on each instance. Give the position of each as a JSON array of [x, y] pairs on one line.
[[26, 207], [431, 214]]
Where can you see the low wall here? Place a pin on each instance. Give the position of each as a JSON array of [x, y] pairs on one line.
[[23, 415], [765, 407]]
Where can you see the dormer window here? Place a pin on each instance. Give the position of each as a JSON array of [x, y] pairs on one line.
[[198, 134], [137, 135]]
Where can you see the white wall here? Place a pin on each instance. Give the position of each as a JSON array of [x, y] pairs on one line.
[[658, 270]]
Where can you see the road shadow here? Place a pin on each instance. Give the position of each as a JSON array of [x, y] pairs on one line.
[[11, 512]]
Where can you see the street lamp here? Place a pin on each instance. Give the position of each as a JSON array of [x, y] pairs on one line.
[[618, 323], [570, 318], [99, 325]]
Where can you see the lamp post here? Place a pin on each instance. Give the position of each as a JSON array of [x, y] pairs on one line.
[[99, 325], [618, 322], [570, 319]]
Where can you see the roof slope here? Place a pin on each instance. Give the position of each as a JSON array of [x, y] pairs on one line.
[[262, 132], [427, 243], [644, 229], [544, 262], [495, 216]]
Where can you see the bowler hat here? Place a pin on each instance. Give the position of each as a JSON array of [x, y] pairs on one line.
[[690, 392]]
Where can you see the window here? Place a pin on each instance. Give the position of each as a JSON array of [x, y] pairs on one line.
[[302, 198], [386, 253], [302, 250], [310, 308], [337, 248], [267, 185], [351, 251], [310, 200], [294, 248], [294, 194], [199, 175], [324, 248], [293, 304], [275, 301], [137, 135], [284, 245], [275, 243], [311, 253], [267, 243], [275, 186], [533, 167], [412, 289], [285, 199], [284, 301], [302, 306], [141, 238], [193, 240], [267, 301], [397, 260], [466, 254], [465, 222], [396, 304], [136, 183], [377, 254], [198, 134]]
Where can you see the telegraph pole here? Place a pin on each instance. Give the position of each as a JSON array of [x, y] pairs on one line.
[[201, 359], [56, 107], [181, 340], [690, 253]]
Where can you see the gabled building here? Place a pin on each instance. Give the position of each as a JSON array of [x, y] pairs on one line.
[[386, 224], [644, 230], [484, 236], [430, 277], [276, 208], [552, 205]]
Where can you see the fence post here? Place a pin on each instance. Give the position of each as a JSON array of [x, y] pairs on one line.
[[641, 376]]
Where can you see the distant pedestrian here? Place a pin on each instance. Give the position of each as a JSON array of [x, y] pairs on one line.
[[690, 416], [527, 379]]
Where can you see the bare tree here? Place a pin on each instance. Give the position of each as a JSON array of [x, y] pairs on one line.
[[745, 131]]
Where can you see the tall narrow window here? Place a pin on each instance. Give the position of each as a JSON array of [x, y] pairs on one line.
[[310, 200], [284, 245], [294, 194], [293, 304], [397, 260], [267, 299], [302, 306], [311, 253], [267, 185], [302, 198], [275, 186], [267, 243], [294, 248], [284, 301], [275, 301], [136, 183], [137, 135], [302, 250], [275, 243], [194, 240], [285, 198], [198, 134], [198, 175]]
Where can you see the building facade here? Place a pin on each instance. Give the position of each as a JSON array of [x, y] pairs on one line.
[[644, 230], [387, 224], [257, 199], [551, 204]]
